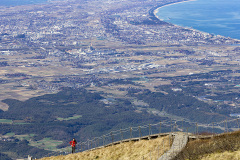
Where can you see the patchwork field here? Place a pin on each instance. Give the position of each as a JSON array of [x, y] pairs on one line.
[[46, 143]]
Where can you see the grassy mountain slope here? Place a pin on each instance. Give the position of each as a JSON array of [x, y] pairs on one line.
[[144, 149], [220, 147], [225, 146]]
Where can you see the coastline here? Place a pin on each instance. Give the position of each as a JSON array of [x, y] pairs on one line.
[[159, 7], [155, 11]]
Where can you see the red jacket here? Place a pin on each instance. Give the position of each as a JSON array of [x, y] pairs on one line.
[[73, 143]]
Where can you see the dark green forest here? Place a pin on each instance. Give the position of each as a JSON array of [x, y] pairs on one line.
[[183, 105], [41, 114], [20, 149]]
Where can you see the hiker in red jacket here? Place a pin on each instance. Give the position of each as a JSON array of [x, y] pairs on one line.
[[73, 144]]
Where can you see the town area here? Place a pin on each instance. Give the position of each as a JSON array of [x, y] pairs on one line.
[[77, 43]]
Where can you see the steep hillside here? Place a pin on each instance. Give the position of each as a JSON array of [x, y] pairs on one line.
[[225, 146], [144, 149]]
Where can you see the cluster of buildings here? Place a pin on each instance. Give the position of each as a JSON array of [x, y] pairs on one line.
[[72, 23], [83, 36]]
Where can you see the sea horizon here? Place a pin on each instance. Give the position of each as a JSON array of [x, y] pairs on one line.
[[216, 17], [12, 3]]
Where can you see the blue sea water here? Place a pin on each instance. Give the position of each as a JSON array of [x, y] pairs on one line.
[[20, 2], [219, 17]]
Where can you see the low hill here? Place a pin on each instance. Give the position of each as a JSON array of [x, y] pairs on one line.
[[143, 149]]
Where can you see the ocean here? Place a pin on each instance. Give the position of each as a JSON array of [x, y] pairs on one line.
[[20, 2], [218, 17]]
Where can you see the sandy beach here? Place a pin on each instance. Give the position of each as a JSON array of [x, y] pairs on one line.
[[156, 10]]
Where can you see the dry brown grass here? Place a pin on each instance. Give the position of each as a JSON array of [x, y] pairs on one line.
[[149, 149], [223, 156], [225, 147]]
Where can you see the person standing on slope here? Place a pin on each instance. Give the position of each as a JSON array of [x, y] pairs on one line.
[[73, 144]]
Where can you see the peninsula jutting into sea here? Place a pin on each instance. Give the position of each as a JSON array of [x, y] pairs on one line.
[[79, 68]]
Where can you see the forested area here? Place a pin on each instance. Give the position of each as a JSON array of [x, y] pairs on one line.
[[40, 116], [19, 149], [177, 103]]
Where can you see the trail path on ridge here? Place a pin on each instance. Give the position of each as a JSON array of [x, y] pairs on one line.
[[179, 142]]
